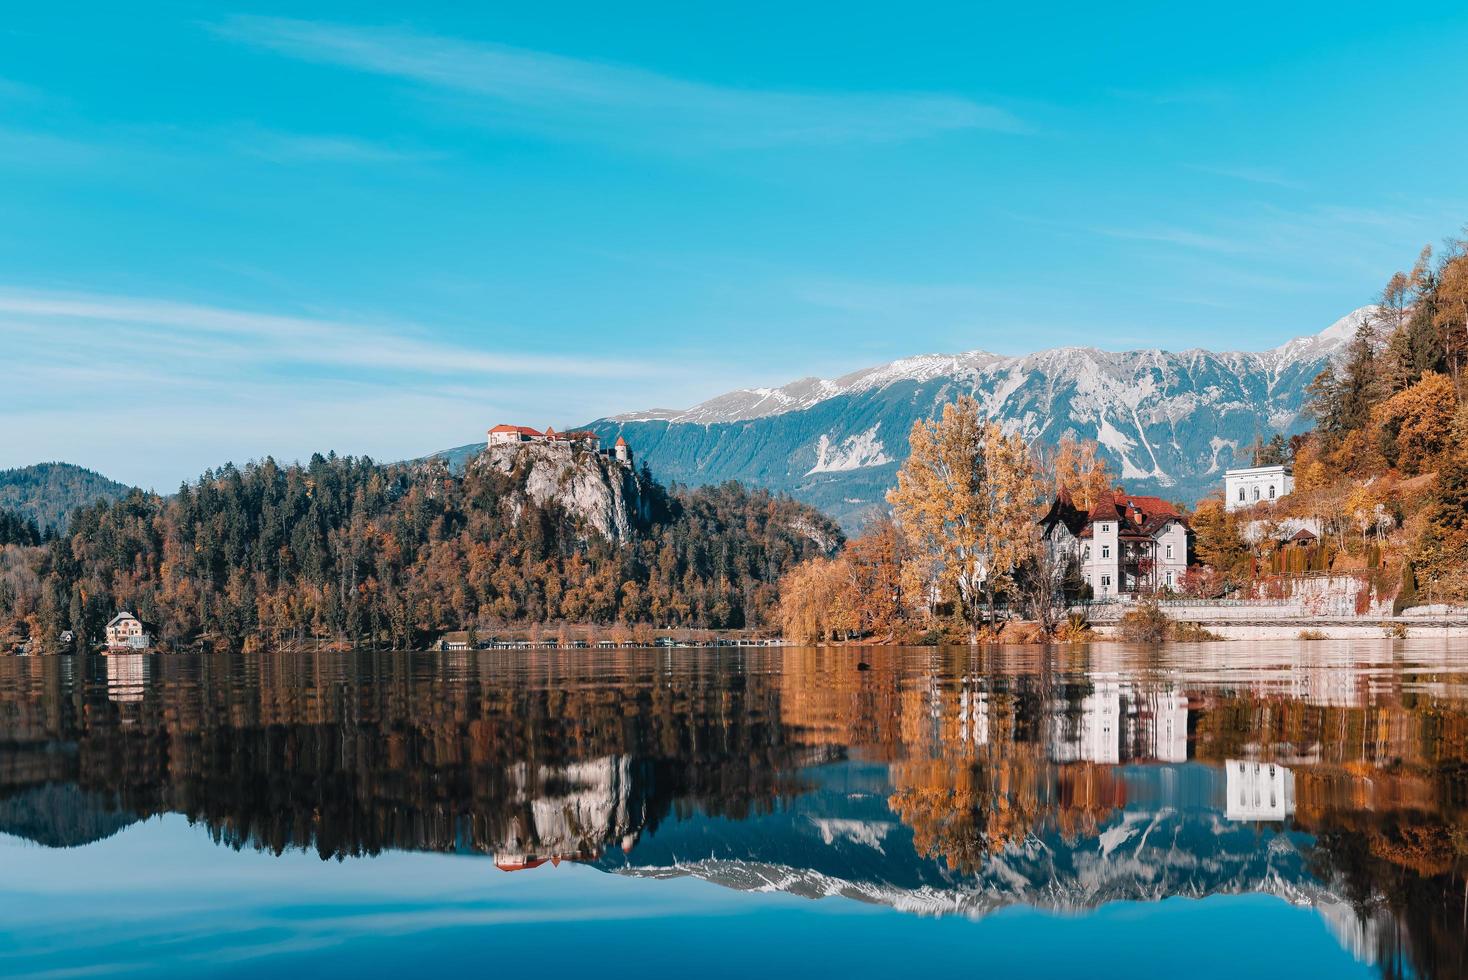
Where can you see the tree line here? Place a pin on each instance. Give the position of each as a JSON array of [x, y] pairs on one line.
[[350, 551]]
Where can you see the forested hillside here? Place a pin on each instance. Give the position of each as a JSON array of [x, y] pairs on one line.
[[48, 492], [1384, 475], [346, 550]]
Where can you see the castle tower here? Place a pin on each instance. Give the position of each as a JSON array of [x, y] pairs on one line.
[[622, 451]]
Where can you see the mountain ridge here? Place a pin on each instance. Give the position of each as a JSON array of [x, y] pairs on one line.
[[1167, 422], [741, 404]]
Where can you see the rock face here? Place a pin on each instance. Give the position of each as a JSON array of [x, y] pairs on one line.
[[606, 497]]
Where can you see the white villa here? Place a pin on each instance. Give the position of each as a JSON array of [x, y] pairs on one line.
[[1256, 485], [1126, 544], [126, 632]]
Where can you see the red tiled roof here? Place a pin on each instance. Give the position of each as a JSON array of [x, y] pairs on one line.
[[621, 441], [519, 865], [523, 430]]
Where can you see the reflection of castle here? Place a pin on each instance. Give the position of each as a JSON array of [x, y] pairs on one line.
[[1258, 791]]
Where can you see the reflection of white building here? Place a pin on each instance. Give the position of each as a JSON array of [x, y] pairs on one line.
[[973, 715], [1096, 735], [127, 676], [1169, 734], [1258, 791]]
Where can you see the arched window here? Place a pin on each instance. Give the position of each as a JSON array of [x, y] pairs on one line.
[[1241, 495], [1271, 491], [1256, 493]]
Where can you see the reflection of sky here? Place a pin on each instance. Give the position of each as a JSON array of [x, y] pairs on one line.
[[160, 898]]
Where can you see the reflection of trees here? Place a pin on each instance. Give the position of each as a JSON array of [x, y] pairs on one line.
[[537, 755], [358, 754]]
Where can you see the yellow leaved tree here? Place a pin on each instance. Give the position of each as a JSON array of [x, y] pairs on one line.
[[967, 500]]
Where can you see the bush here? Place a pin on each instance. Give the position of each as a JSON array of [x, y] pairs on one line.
[[1145, 623], [1075, 629], [1192, 633], [1312, 635]]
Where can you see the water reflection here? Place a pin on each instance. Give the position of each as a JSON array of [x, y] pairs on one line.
[[936, 782]]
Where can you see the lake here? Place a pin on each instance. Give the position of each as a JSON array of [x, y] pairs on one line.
[[1214, 810]]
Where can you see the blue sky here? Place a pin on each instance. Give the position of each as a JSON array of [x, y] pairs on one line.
[[227, 231]]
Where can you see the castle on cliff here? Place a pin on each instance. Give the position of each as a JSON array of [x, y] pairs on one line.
[[509, 435]]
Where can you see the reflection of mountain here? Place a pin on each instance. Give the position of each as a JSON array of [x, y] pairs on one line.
[[1172, 841], [936, 781], [60, 816]]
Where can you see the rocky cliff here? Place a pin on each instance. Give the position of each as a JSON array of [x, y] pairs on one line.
[[606, 497]]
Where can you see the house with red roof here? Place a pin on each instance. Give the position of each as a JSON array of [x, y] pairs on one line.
[[502, 435], [1125, 545]]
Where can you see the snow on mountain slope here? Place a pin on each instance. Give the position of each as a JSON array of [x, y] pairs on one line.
[[976, 365], [1168, 421]]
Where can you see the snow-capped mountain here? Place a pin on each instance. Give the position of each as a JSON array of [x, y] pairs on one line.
[[1168, 422]]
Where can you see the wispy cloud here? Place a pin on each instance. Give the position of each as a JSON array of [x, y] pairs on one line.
[[279, 147], [13, 91], [207, 384], [1167, 235], [116, 322], [1252, 175], [579, 98], [1184, 97]]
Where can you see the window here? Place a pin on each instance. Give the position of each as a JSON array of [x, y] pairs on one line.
[[1105, 528], [1271, 491], [1241, 495], [1106, 581], [1106, 551], [1169, 580], [1169, 552], [1086, 553], [1256, 493]]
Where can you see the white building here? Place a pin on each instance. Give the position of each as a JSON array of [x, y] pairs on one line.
[[1256, 485], [503, 435], [1258, 791], [1126, 544], [126, 632]]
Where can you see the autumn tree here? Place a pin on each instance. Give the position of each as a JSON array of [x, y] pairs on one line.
[[1451, 313], [1219, 541], [1411, 429], [1077, 465], [1443, 547], [967, 499]]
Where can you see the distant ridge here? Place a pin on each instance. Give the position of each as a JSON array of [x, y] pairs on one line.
[[48, 492], [1168, 423]]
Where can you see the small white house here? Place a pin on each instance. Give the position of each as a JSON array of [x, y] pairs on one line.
[[1256, 485]]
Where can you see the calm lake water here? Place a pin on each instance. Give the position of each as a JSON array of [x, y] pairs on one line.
[[1229, 810]]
